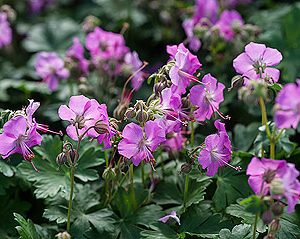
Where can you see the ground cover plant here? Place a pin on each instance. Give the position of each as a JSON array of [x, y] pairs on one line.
[[149, 119]]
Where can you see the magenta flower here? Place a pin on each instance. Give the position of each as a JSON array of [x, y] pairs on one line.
[[256, 63], [17, 138], [5, 30], [134, 63], [217, 151], [262, 172], [50, 67], [38, 5], [172, 215], [228, 22], [276, 178], [206, 9], [76, 52], [207, 97], [287, 108], [174, 141], [186, 64], [138, 144], [188, 26], [82, 113]]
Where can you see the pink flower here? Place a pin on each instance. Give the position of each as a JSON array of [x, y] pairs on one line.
[[194, 43], [76, 52], [256, 63], [207, 97], [287, 109], [206, 9], [276, 178], [82, 113], [5, 30], [133, 61], [174, 141], [217, 151], [138, 143], [228, 22], [186, 64], [18, 138], [172, 215], [50, 67]]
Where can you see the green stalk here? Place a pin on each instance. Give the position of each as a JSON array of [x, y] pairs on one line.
[[72, 173], [192, 134], [254, 226], [272, 148], [132, 192], [186, 190], [143, 173]]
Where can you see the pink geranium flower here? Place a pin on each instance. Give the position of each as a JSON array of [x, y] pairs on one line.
[[287, 108], [5, 30], [172, 215], [138, 143], [51, 68], [18, 138], [207, 97], [257, 61]]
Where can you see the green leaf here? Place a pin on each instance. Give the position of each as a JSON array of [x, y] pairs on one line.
[[239, 211], [242, 231], [159, 230], [46, 37], [27, 229], [245, 135], [51, 180], [231, 185], [289, 226]]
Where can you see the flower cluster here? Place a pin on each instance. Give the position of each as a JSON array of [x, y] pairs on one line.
[[5, 30], [206, 20], [276, 178], [108, 53]]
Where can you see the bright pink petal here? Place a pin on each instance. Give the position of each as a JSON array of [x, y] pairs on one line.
[[255, 51], [272, 57]]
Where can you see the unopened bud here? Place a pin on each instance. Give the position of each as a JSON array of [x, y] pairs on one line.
[[114, 123], [119, 111], [63, 235], [73, 154], [277, 187], [275, 225], [142, 116], [90, 22], [267, 217], [9, 11], [159, 86], [186, 168], [130, 113], [140, 105], [277, 209], [236, 82], [109, 174], [61, 158], [101, 127]]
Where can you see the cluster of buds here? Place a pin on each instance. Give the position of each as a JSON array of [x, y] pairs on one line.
[[9, 11], [89, 23], [140, 111], [63, 235], [68, 156]]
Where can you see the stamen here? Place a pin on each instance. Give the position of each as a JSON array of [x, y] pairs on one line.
[[191, 77], [226, 117], [34, 167], [219, 159], [45, 128]]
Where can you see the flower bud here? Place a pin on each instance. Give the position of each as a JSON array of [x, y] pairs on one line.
[[63, 235], [89, 23], [119, 111], [277, 209], [275, 225], [140, 105], [159, 86], [267, 217], [130, 113], [186, 168], [277, 187], [73, 154], [61, 158], [142, 116], [109, 174], [9, 11], [236, 82], [114, 123], [101, 127]]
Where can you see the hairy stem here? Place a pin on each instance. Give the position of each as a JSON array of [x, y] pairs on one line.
[[132, 192], [186, 190], [72, 172], [254, 226], [272, 148], [192, 134]]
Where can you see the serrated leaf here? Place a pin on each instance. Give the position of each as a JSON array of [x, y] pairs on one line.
[[289, 226], [159, 231], [245, 135], [27, 229], [242, 231]]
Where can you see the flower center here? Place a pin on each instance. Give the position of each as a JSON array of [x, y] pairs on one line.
[[269, 175], [259, 67]]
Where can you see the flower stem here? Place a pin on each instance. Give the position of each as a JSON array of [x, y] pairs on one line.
[[132, 192], [192, 134], [264, 120], [186, 190], [143, 173], [72, 172], [272, 148], [255, 225]]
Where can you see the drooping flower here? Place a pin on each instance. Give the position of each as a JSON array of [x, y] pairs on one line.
[[76, 52], [257, 61], [228, 22], [172, 215], [82, 113], [134, 63], [17, 138], [287, 108], [217, 151], [207, 97], [276, 178], [186, 64], [5, 30], [138, 144], [262, 172], [50, 67]]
